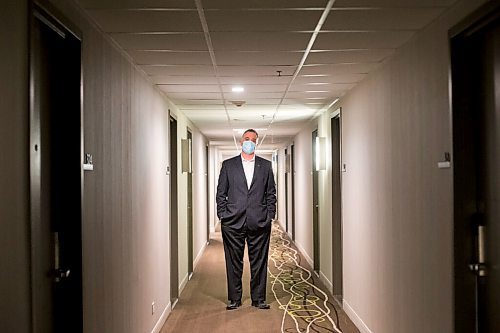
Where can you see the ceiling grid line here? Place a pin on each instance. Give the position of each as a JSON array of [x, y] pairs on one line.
[[320, 23], [208, 40]]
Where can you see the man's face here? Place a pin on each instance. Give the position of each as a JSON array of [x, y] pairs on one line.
[[249, 136]]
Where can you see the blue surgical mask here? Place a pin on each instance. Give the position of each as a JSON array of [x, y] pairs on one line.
[[248, 147]]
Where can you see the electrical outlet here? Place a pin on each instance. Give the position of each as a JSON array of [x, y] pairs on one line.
[[153, 308]]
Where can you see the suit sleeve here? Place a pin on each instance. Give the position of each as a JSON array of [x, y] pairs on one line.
[[271, 194], [222, 188]]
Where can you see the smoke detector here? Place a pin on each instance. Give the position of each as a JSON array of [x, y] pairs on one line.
[[238, 103]]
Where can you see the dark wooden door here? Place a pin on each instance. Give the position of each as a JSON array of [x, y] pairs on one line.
[[476, 145], [336, 208], [174, 234], [56, 176]]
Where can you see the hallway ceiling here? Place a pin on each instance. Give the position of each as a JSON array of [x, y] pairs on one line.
[[293, 58]]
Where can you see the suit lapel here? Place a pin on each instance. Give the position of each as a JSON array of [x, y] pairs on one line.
[[241, 171], [256, 172]]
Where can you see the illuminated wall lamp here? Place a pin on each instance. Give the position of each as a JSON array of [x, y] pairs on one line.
[[320, 157], [186, 155]]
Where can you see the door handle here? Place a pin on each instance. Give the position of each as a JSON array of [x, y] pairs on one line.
[[480, 267], [58, 274]]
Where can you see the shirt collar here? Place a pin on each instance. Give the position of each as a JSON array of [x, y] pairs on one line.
[[244, 160]]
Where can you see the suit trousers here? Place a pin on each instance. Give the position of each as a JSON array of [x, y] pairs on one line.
[[258, 251]]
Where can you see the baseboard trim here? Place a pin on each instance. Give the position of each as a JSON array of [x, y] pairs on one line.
[[363, 328], [183, 283], [200, 254], [326, 282], [163, 318], [304, 254]]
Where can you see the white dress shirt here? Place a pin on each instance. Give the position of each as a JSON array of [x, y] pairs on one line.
[[248, 167]]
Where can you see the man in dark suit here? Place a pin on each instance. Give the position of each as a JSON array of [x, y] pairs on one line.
[[246, 205]]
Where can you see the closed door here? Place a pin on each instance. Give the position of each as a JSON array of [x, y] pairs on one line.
[[207, 157], [287, 173], [336, 208], [190, 208], [476, 145], [292, 181], [174, 233], [56, 176]]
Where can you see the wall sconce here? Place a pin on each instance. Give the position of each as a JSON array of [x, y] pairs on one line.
[[287, 163], [186, 155], [320, 153]]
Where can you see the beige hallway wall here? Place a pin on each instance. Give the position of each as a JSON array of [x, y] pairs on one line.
[[397, 204]]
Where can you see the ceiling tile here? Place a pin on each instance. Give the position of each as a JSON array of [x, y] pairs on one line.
[[318, 95], [255, 70], [226, 4], [262, 20], [258, 58], [260, 101], [337, 78], [179, 79], [250, 96], [173, 88], [147, 20], [172, 58], [393, 3], [186, 70], [112, 4], [174, 42], [257, 88], [200, 101], [195, 95], [349, 56], [327, 86], [361, 40], [260, 41], [318, 103], [381, 19], [272, 79], [335, 69]]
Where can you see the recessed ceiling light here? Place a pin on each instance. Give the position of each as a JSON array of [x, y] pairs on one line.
[[237, 89]]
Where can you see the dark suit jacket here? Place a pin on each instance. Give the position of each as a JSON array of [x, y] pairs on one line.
[[237, 204]]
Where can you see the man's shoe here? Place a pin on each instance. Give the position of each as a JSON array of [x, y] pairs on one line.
[[261, 305], [233, 305]]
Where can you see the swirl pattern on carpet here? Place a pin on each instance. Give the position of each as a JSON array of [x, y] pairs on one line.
[[306, 308]]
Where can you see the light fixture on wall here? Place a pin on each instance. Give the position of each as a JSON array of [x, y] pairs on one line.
[[320, 157], [186, 155]]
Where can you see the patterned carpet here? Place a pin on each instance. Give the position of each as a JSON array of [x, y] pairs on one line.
[[299, 301], [305, 306]]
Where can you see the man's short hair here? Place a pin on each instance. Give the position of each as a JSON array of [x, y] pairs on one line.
[[250, 130]]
